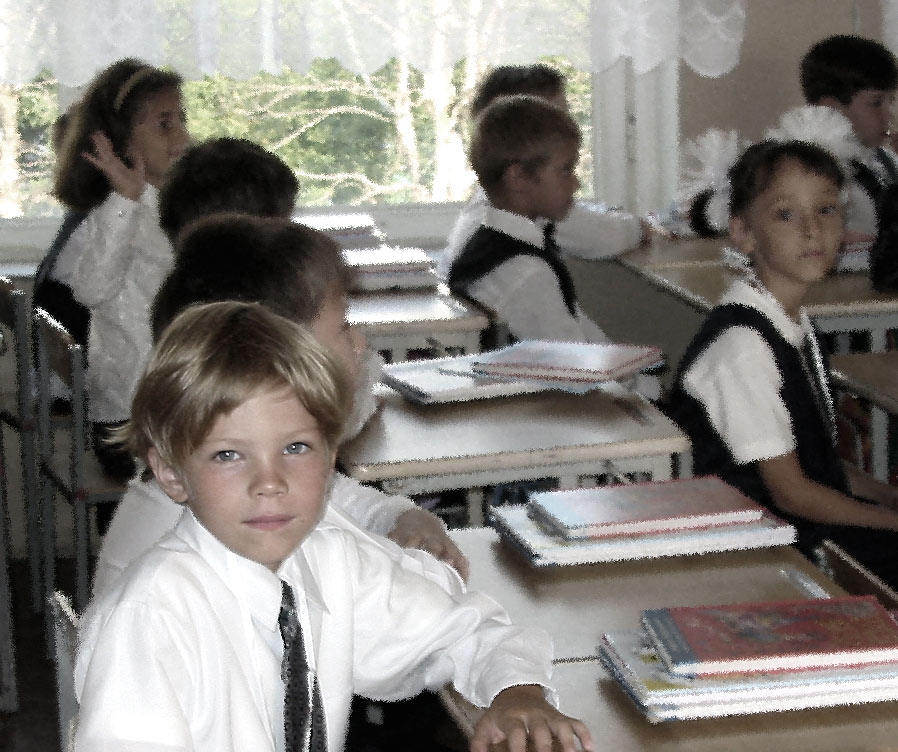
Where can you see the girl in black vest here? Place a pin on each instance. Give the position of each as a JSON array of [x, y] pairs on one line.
[[752, 390]]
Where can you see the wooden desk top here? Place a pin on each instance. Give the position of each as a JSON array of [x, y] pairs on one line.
[[588, 693], [580, 603], [413, 310], [576, 605], [663, 253], [870, 375], [841, 294], [404, 440]]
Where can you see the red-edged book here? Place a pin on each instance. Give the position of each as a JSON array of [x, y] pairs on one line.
[[779, 636], [577, 362], [643, 508]]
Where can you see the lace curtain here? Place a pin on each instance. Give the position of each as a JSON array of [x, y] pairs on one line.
[[76, 38]]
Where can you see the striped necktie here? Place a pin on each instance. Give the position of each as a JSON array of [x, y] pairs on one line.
[[304, 725]]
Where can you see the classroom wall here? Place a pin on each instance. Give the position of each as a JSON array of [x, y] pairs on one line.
[[765, 82]]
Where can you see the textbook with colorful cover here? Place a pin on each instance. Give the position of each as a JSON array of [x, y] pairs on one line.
[[568, 361], [388, 267], [775, 636], [516, 526], [634, 508], [634, 664]]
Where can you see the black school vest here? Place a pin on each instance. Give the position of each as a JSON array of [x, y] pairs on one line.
[[55, 297], [814, 445], [488, 248]]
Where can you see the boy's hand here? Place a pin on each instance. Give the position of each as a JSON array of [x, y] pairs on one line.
[[519, 714], [418, 528]]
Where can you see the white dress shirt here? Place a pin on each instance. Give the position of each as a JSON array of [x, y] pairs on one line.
[[523, 292], [115, 262], [737, 381], [184, 653], [589, 231]]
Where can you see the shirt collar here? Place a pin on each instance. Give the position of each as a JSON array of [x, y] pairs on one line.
[[515, 225], [750, 292], [252, 583]]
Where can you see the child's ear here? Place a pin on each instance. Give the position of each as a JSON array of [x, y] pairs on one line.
[[741, 236], [167, 477]]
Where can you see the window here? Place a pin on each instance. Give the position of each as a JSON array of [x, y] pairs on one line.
[[390, 137]]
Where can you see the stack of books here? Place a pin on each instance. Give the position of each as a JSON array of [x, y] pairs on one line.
[[567, 362], [637, 521], [712, 661], [349, 230], [390, 267]]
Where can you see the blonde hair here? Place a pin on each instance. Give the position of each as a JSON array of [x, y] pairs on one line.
[[521, 130], [211, 359]]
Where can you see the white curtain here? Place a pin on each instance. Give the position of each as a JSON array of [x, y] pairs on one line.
[[76, 38]]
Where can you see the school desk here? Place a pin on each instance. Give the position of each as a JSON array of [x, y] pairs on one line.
[[419, 449], [586, 691], [664, 253], [577, 604], [873, 376], [395, 322], [839, 303]]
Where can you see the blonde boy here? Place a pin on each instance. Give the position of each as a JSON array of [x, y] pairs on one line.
[[238, 415], [524, 151]]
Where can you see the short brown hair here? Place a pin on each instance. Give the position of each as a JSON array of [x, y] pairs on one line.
[[111, 104], [281, 264], [842, 65], [211, 360], [521, 130], [538, 80]]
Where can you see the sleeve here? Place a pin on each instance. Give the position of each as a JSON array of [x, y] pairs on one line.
[[523, 292], [737, 381], [470, 218], [368, 507], [131, 700], [435, 638], [141, 518], [590, 232], [101, 250]]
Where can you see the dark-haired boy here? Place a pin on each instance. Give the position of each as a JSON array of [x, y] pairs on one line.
[[588, 231], [858, 78], [225, 175], [299, 273]]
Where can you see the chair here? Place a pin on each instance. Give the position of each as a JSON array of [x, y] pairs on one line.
[[853, 576], [17, 411], [75, 475], [65, 633], [9, 695]]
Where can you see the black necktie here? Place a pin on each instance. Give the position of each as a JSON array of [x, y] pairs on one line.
[[888, 165], [304, 725]]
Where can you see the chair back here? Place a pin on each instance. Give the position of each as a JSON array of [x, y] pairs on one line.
[[14, 317], [59, 354], [65, 633], [853, 576]]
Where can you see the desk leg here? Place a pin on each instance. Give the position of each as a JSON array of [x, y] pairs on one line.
[[879, 437], [879, 340], [684, 464], [475, 498]]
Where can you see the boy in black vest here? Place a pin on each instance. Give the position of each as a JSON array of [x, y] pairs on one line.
[[524, 151], [752, 390]]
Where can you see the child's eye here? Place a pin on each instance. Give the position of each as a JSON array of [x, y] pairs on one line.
[[784, 214], [297, 447], [226, 455], [829, 210]]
